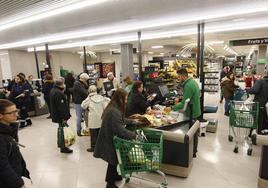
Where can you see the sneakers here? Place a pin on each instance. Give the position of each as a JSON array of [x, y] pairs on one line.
[[226, 114], [66, 150], [29, 121], [48, 117], [90, 150]]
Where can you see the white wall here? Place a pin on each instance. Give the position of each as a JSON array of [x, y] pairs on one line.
[[5, 66], [22, 61]]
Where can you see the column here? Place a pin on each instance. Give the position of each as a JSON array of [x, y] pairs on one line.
[[127, 60], [260, 68]]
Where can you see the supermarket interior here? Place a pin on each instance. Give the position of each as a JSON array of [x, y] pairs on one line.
[[141, 93]]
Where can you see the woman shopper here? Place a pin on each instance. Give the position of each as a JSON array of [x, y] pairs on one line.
[[12, 164], [137, 103], [95, 105], [20, 95], [47, 87], [228, 87], [113, 124]]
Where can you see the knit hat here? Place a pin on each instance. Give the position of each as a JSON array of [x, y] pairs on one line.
[[84, 76]]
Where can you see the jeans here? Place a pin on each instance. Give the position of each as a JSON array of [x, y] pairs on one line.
[[227, 105], [78, 111]]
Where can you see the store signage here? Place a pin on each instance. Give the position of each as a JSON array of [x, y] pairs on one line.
[[261, 61], [246, 42]]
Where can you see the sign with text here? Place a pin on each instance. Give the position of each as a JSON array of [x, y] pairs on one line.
[[246, 42]]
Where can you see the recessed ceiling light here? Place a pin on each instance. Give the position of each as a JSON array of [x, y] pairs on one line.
[[150, 52], [157, 47], [162, 53]]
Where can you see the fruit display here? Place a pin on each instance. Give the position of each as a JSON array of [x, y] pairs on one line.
[[188, 64]]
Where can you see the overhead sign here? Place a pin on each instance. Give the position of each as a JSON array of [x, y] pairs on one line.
[[246, 42], [261, 61]]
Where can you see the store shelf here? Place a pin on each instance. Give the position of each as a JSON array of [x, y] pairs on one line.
[[211, 72], [211, 84], [211, 78], [211, 91]]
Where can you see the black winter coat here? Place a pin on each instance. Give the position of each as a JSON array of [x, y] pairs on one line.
[[18, 89], [12, 164], [260, 90], [137, 104], [113, 124], [59, 107], [80, 92], [47, 87]]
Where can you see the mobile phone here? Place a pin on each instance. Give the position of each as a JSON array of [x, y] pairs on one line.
[[154, 95]]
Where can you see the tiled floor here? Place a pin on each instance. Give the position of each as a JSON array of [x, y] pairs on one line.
[[215, 166]]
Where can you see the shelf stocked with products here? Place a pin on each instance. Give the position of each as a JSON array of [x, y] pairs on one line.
[[211, 75]]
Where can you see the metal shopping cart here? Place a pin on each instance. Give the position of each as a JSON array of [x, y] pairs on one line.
[[140, 156], [243, 115]]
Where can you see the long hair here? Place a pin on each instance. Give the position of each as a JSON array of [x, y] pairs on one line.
[[4, 104], [136, 86], [117, 101]]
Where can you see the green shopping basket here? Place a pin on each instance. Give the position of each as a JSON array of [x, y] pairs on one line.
[[244, 114], [134, 156]]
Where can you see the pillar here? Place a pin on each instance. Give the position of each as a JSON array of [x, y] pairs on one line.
[[127, 60], [260, 68]]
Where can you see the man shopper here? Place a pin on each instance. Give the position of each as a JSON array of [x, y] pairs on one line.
[[80, 93], [59, 112]]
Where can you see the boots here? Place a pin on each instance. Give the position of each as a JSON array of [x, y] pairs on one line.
[[66, 150], [110, 185]]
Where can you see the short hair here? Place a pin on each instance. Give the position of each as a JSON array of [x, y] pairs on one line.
[[84, 76], [136, 86], [59, 82], [110, 74], [128, 80], [92, 88], [182, 72], [4, 103]]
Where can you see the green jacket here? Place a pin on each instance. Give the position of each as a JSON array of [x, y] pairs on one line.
[[190, 90]]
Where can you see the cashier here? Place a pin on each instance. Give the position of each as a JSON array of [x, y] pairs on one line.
[[137, 103], [190, 91]]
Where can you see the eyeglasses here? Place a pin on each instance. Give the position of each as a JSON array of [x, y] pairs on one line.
[[15, 112]]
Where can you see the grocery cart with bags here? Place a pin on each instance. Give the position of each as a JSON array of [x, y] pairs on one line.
[[243, 115], [141, 156], [240, 95]]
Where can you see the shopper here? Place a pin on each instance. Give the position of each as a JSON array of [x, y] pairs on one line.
[[47, 87], [59, 111], [110, 78], [113, 124], [12, 164], [260, 90], [228, 87], [69, 84], [20, 95], [190, 91], [137, 103], [129, 84], [223, 73], [80, 93], [93, 76], [95, 105]]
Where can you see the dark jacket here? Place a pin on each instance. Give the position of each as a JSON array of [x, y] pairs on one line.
[[260, 90], [58, 104], [69, 82], [228, 88], [18, 89], [47, 87], [12, 164], [137, 104], [80, 92], [113, 124]]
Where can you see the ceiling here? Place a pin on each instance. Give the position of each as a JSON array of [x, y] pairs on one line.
[[171, 23]]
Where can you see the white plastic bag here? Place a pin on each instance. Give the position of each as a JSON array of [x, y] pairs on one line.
[[69, 136]]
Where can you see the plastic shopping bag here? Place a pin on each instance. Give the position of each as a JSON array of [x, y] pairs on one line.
[[69, 136], [85, 130]]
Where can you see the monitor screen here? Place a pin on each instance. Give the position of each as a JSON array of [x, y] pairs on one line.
[[164, 90], [108, 86]]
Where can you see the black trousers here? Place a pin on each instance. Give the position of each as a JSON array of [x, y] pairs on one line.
[[94, 136], [111, 174], [48, 104]]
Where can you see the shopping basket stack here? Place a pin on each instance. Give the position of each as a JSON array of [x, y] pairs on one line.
[[140, 156], [243, 115]]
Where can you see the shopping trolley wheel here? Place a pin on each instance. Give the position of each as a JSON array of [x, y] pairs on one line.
[[236, 150], [249, 152], [127, 180], [230, 138]]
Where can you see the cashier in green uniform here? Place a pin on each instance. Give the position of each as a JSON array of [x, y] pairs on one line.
[[190, 91]]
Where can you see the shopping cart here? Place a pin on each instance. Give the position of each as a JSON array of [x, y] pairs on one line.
[[140, 156], [240, 95], [243, 115]]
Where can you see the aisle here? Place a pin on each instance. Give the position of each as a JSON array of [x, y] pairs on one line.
[[215, 166]]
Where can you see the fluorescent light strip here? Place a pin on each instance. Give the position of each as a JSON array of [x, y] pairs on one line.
[[157, 47], [119, 28], [49, 13]]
